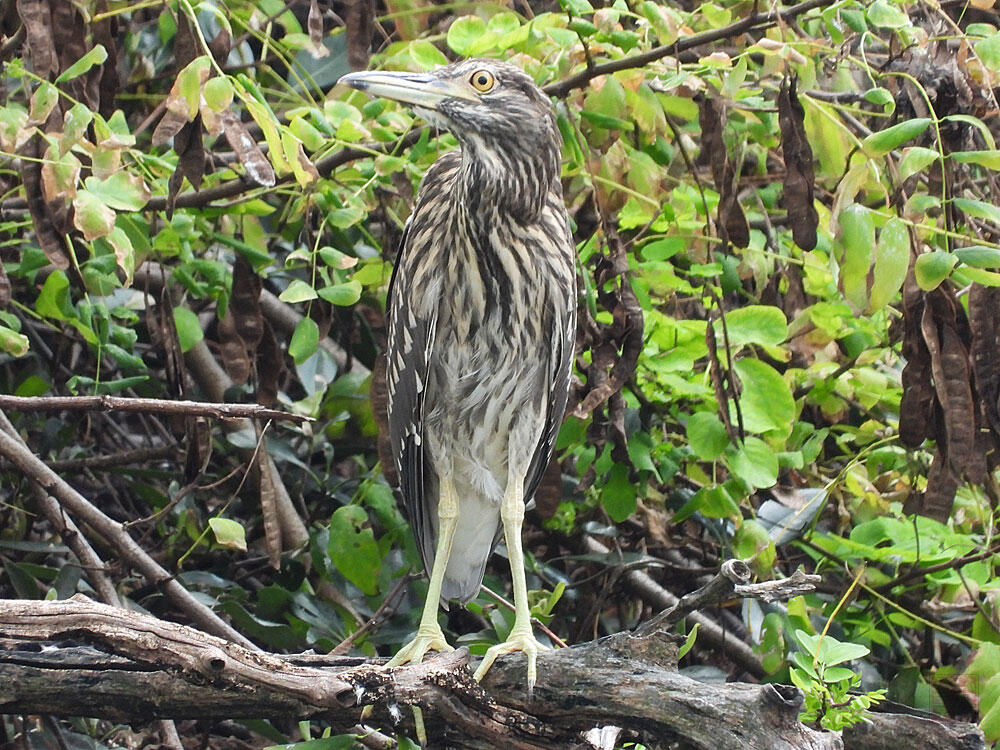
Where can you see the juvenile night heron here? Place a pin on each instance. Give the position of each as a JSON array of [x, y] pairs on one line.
[[482, 320]]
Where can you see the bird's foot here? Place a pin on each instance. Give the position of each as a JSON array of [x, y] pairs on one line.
[[427, 639], [518, 640]]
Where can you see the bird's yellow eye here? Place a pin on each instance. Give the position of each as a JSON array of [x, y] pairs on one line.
[[483, 81]]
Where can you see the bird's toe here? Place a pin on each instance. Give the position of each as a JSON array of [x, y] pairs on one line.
[[414, 651], [524, 642]]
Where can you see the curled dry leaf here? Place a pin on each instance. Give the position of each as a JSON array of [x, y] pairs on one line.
[[190, 162], [270, 367], [797, 192], [916, 409], [233, 350], [269, 505], [984, 324], [41, 48], [244, 303], [48, 227], [257, 167], [732, 221], [314, 25], [950, 368], [359, 21]]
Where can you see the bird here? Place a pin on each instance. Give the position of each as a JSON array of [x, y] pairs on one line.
[[481, 322]]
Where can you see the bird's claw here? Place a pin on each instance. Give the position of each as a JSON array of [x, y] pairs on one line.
[[518, 640], [426, 639]]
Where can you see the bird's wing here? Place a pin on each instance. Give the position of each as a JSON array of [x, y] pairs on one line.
[[411, 338], [559, 371]]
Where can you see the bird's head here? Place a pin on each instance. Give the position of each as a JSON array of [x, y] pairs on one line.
[[501, 118]]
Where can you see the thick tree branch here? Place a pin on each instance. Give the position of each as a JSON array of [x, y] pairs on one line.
[[77, 657]]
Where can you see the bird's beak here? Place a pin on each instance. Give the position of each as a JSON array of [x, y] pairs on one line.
[[416, 89]]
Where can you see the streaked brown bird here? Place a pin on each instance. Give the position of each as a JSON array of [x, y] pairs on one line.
[[482, 320]]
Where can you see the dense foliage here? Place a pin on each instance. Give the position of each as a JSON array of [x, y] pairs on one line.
[[789, 246]]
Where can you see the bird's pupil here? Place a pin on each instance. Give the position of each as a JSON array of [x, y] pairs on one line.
[[482, 80]]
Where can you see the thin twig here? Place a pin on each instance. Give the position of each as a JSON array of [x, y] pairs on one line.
[[147, 405]]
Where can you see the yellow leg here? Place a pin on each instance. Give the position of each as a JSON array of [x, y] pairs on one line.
[[521, 638], [429, 636]]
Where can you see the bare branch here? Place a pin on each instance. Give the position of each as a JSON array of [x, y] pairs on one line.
[[147, 406]]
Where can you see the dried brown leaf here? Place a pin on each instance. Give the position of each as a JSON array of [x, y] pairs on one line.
[[244, 303], [732, 221], [950, 368], [797, 193], [233, 351], [49, 228], [314, 25], [269, 505], [41, 48], [937, 500], [359, 20], [221, 46], [190, 162], [257, 167], [916, 407], [270, 367], [984, 323]]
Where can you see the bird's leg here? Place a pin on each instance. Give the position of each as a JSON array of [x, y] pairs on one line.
[[429, 636], [521, 638]]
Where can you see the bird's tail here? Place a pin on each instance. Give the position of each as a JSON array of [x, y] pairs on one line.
[[475, 538]]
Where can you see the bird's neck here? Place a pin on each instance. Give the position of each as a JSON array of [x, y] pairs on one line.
[[515, 180]]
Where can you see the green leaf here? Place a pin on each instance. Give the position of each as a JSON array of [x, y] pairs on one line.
[[988, 159], [755, 463], [342, 294], [886, 15], [884, 141], [305, 340], [978, 209], [706, 435], [618, 495], [464, 32], [891, 262], [12, 342], [91, 216], [930, 269], [979, 256], [712, 502], [53, 301], [831, 651], [988, 51], [218, 93], [426, 55], [189, 83], [122, 191], [916, 158], [857, 242], [880, 97], [96, 56], [982, 127], [352, 548], [188, 327], [43, 101], [607, 122], [754, 324], [228, 533], [766, 400], [298, 291], [688, 642]]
